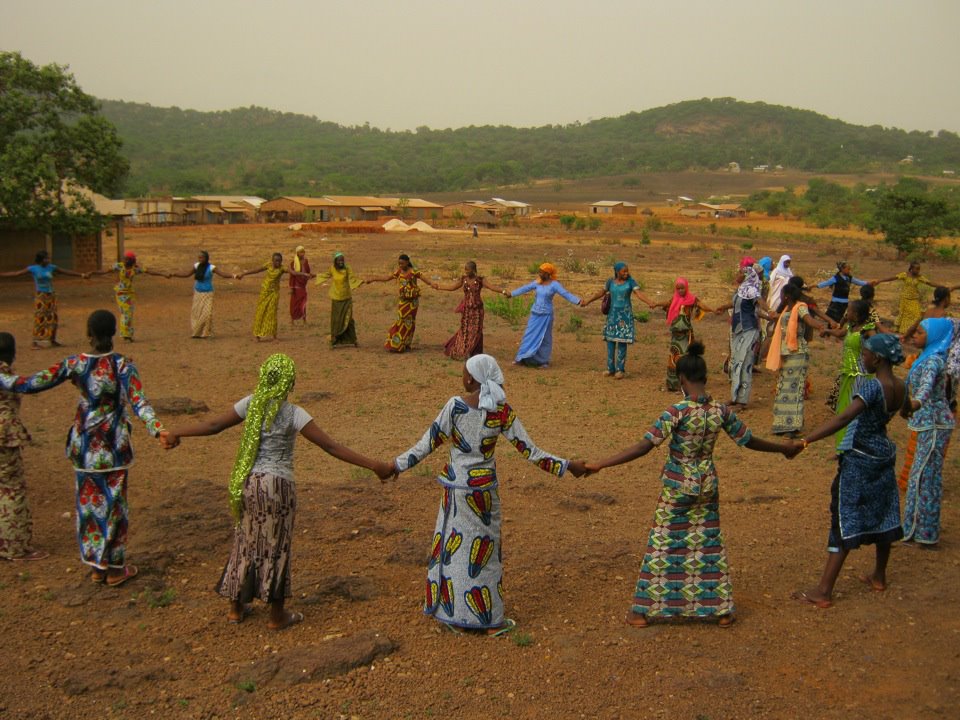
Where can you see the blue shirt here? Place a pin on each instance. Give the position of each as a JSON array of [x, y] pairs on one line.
[[830, 281], [205, 285], [43, 277], [543, 304]]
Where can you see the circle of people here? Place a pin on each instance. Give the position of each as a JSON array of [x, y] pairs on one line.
[[684, 572]]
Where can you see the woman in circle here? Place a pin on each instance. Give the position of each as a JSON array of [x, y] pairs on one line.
[[619, 330], [400, 335], [779, 277], [98, 444], [464, 576], [201, 313], [910, 312], [858, 329], [45, 318], [536, 346], [748, 307], [840, 282], [468, 340], [263, 496], [685, 571], [682, 310], [265, 318], [343, 328], [299, 276], [789, 354], [125, 293]]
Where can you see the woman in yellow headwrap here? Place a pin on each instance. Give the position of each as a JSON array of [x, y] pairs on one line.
[[536, 347], [263, 496], [298, 285], [343, 331]]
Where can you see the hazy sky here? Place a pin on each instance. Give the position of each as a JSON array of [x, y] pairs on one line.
[[448, 63]]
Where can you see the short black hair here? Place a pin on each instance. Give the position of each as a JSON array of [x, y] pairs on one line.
[[861, 311], [8, 347], [101, 327], [692, 365], [940, 293], [796, 280], [40, 256], [868, 292], [791, 292]]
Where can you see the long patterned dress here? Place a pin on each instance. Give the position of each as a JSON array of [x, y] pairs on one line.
[[98, 445], [536, 346], [265, 321], [620, 326], [343, 328], [400, 335], [468, 340], [45, 317], [910, 310], [850, 373], [681, 335], [126, 296], [298, 291], [791, 380], [16, 526], [201, 311], [464, 576], [685, 571], [932, 426], [864, 502]]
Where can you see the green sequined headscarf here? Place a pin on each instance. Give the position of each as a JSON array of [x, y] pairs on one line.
[[277, 375]]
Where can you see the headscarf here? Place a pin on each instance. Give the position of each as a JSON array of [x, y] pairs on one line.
[[766, 263], [617, 267], [130, 255], [747, 262], [750, 287], [678, 302], [296, 258], [550, 269], [783, 269], [939, 334], [484, 369], [200, 271], [886, 345], [277, 375]]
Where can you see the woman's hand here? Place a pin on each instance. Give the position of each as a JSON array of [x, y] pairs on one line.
[[578, 468], [792, 449], [386, 470], [168, 440]]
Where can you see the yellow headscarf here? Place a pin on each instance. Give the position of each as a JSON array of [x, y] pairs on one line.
[[550, 269], [296, 257]]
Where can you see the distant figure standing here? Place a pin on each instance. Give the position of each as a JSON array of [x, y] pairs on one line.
[[475, 233], [126, 295], [468, 340], [298, 285], [343, 330], [536, 346], [265, 320], [910, 311], [45, 319], [400, 335], [201, 312]]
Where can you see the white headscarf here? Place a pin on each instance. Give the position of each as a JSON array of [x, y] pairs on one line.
[[484, 369], [782, 269], [778, 278], [750, 287]]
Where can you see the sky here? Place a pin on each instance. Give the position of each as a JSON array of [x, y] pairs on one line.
[[452, 63]]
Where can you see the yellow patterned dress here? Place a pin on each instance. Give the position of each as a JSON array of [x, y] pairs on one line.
[[265, 322], [911, 310], [15, 521], [126, 296]]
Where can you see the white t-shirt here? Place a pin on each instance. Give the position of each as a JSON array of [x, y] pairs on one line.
[[275, 455]]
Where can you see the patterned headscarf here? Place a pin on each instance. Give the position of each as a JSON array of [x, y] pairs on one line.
[[886, 345], [680, 301], [277, 375], [550, 269], [939, 334], [296, 257], [750, 287], [484, 369]]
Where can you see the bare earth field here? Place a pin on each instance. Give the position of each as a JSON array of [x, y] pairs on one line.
[[160, 645]]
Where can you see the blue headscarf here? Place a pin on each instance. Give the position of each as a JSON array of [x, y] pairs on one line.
[[767, 264], [886, 345], [618, 267], [939, 334]]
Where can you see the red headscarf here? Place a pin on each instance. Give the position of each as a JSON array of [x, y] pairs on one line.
[[680, 301], [747, 262]]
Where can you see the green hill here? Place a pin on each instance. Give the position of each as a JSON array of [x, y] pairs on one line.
[[255, 150]]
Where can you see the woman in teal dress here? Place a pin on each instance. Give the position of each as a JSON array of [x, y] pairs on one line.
[[619, 330], [858, 329]]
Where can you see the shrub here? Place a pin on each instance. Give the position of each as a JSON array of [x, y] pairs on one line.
[[580, 224], [645, 237], [574, 323], [568, 221], [513, 310], [595, 223], [641, 316]]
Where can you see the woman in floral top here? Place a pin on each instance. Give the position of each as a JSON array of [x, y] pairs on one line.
[[400, 335], [98, 443], [685, 571], [126, 295]]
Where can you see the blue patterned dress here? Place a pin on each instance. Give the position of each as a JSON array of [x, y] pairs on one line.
[[98, 445], [933, 424], [464, 576], [864, 501], [684, 571], [620, 327]]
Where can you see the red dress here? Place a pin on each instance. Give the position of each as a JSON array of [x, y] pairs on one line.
[[469, 338]]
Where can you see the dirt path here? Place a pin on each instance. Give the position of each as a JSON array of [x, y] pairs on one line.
[[161, 646]]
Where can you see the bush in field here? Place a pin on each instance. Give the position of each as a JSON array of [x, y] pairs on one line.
[[568, 221], [513, 310]]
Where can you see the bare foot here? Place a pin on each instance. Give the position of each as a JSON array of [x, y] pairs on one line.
[[635, 619], [289, 619], [813, 597], [872, 582], [726, 621]]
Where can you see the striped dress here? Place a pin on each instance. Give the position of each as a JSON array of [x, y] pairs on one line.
[[684, 571]]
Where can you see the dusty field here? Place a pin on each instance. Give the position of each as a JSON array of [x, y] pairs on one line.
[[161, 646]]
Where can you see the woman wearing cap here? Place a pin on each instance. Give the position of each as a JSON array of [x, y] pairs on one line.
[[45, 317], [98, 443], [864, 503], [464, 587], [126, 295], [298, 285], [536, 346], [263, 496]]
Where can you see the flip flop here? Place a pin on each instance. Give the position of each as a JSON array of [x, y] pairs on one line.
[[636, 620], [870, 584], [803, 597], [293, 618], [452, 629], [507, 627], [97, 577], [129, 571], [247, 612], [32, 555], [726, 621]]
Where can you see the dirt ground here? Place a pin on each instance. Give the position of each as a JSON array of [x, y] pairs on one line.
[[160, 645]]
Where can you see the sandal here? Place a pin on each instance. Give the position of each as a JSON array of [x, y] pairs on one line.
[[634, 619], [726, 621], [97, 577], [247, 612], [507, 627], [129, 571], [32, 555], [803, 597], [293, 618]]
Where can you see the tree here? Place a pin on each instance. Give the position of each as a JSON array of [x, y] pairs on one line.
[[908, 216], [53, 144]]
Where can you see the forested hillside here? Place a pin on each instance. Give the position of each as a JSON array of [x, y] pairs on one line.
[[255, 150]]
